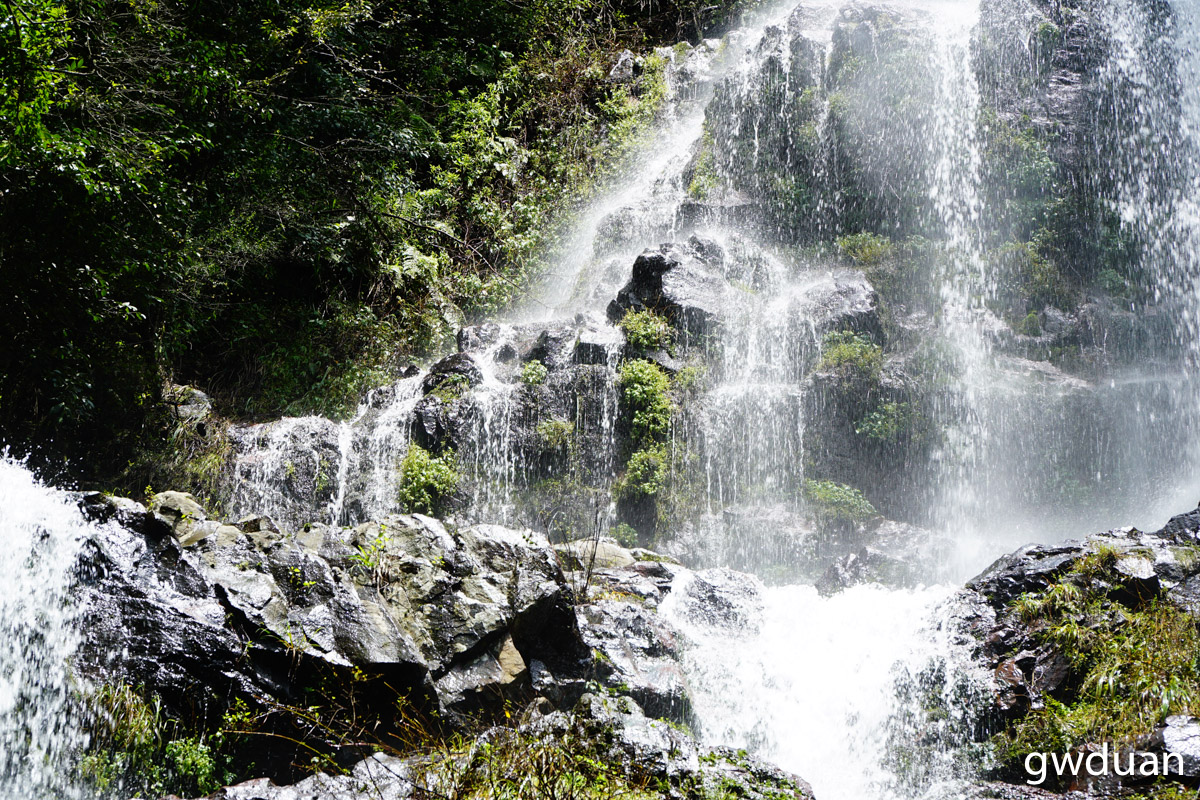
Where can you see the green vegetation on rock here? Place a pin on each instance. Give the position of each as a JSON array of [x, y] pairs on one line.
[[555, 433], [1132, 660], [645, 397], [888, 423], [866, 249], [646, 330], [427, 482], [450, 387], [836, 502], [645, 473], [851, 355], [282, 203], [534, 373], [134, 748]]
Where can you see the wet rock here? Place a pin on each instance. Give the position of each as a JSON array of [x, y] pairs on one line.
[[637, 654], [1006, 791], [190, 404], [867, 565], [1179, 738], [595, 345], [724, 599], [611, 731], [1050, 670], [1032, 568], [676, 281], [176, 507], [405, 596], [498, 673], [588, 554], [725, 771], [286, 469], [626, 736], [625, 69], [380, 777], [459, 369], [554, 347]]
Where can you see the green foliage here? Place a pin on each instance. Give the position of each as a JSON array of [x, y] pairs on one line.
[[1031, 325], [511, 765], [645, 473], [645, 398], [866, 249], [1111, 282], [1029, 276], [705, 179], [851, 354], [1131, 665], [277, 202], [193, 764], [836, 502], [427, 482], [1020, 177], [646, 330], [369, 556], [135, 747], [888, 423], [534, 373], [690, 378], [625, 535], [555, 433], [450, 387]]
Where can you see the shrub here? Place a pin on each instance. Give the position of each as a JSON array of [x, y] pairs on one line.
[[646, 330], [866, 249], [887, 423], [555, 433], [644, 394], [450, 387], [626, 535], [1030, 326], [836, 502], [192, 763], [426, 482], [851, 354], [645, 474], [534, 373]]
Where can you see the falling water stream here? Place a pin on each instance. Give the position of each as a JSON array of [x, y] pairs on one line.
[[40, 533], [819, 687], [824, 686]]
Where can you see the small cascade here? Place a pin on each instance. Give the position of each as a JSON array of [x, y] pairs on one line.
[[40, 534], [817, 684]]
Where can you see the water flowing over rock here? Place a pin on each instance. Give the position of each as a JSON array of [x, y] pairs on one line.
[[40, 532], [917, 284]]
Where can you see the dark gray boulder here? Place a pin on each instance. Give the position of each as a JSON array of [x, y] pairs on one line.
[[455, 613], [677, 281]]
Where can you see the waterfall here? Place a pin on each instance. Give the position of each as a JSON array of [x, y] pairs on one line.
[[817, 126], [40, 533]]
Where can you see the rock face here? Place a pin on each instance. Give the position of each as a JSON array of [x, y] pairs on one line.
[[449, 617], [1101, 584], [457, 621], [610, 731], [678, 282]]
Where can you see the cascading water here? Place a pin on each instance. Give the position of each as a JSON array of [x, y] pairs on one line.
[[869, 127], [40, 533]]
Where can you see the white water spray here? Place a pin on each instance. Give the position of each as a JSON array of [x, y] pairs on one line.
[[40, 534]]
